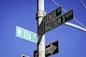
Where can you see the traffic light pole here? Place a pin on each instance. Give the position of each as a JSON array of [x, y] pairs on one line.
[[40, 14]]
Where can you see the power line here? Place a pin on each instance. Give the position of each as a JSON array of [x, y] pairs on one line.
[[83, 3], [66, 11]]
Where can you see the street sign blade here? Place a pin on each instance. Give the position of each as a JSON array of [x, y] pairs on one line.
[[26, 34], [49, 50], [52, 15], [56, 22]]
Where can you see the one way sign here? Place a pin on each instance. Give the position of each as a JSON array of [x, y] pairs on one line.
[[50, 49]]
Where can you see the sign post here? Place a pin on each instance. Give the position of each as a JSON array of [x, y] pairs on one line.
[[40, 15]]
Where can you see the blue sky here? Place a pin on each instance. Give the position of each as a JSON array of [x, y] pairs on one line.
[[72, 42]]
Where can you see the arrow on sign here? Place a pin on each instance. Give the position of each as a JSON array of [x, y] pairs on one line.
[[53, 48], [49, 50]]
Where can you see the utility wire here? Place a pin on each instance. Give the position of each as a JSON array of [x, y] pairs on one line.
[[66, 11], [83, 3]]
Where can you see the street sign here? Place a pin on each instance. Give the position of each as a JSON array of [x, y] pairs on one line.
[[50, 49], [51, 16], [24, 55], [26, 34], [59, 20]]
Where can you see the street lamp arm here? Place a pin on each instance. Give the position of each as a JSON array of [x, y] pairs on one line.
[[75, 26]]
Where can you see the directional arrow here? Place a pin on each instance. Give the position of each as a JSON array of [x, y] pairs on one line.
[[49, 50], [52, 49]]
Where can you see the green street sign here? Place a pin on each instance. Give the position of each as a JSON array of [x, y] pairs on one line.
[[26, 34], [59, 20], [51, 15]]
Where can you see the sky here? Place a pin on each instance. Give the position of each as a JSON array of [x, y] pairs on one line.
[[72, 42]]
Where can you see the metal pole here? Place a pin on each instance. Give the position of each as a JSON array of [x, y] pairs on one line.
[[40, 14]]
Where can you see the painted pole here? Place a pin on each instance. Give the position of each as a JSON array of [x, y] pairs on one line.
[[40, 14]]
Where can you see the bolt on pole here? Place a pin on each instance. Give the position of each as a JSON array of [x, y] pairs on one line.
[[40, 14]]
